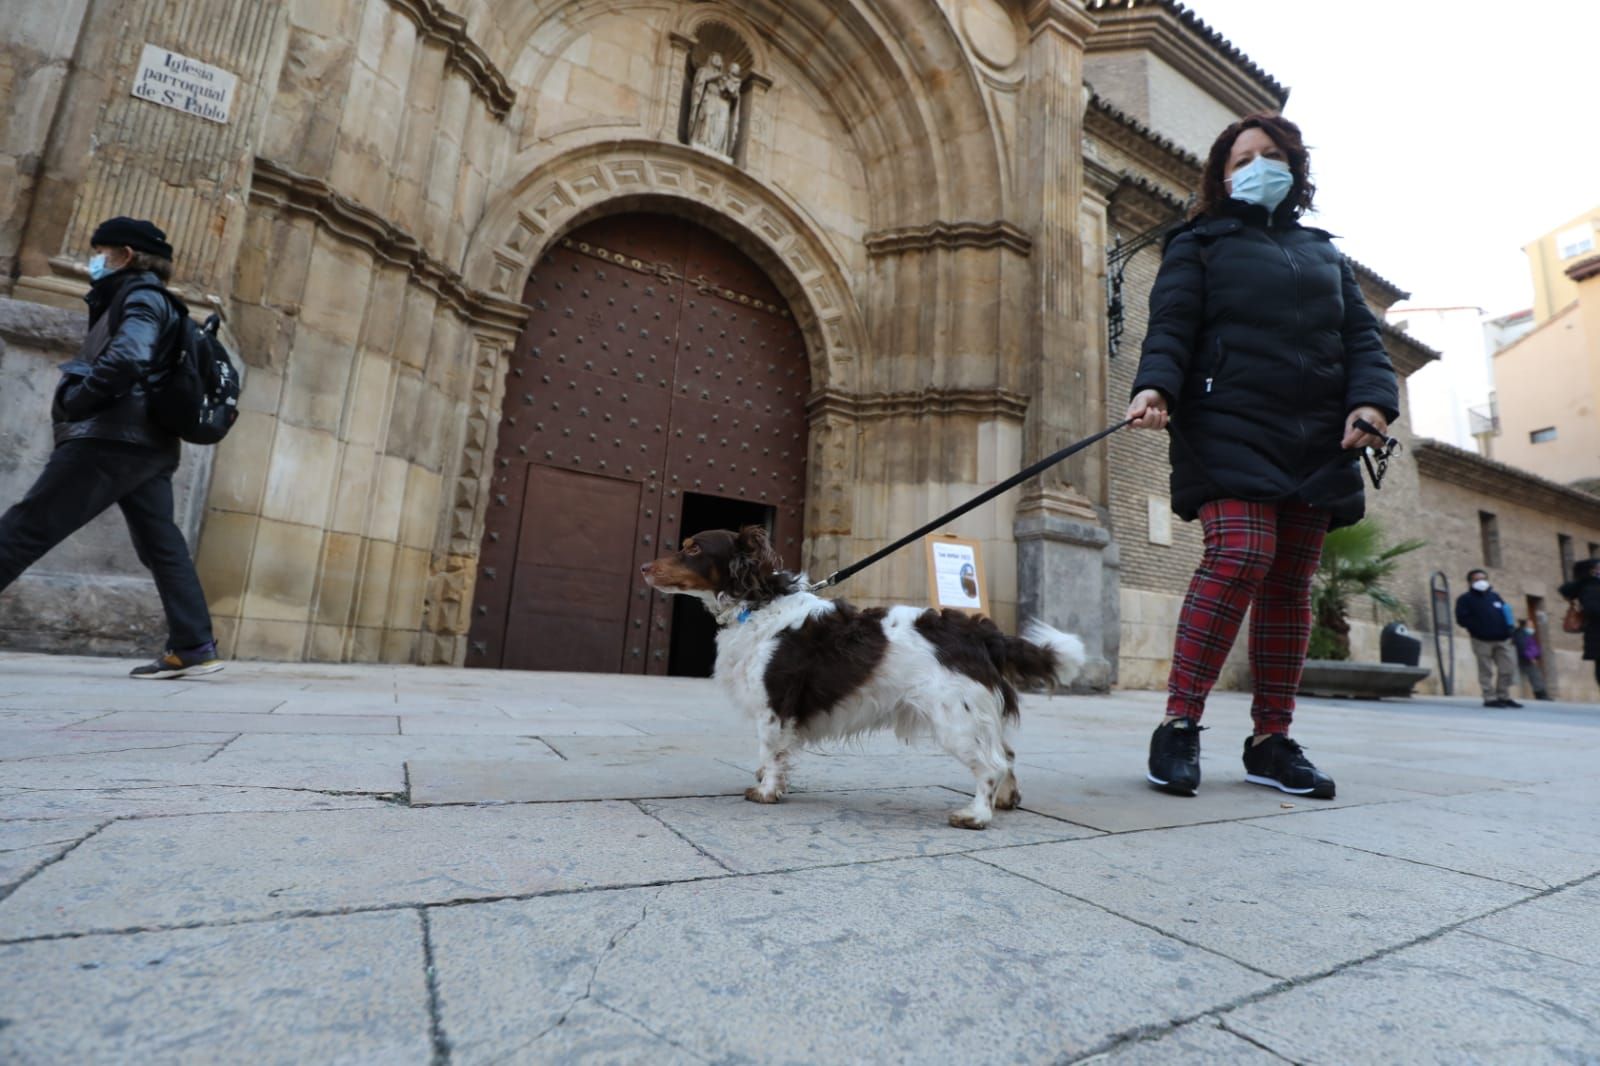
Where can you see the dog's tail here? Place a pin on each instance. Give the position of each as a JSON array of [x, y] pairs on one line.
[[1044, 656]]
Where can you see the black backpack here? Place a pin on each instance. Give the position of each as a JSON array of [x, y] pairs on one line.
[[195, 391]]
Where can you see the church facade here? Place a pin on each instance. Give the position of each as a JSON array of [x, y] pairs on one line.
[[527, 291]]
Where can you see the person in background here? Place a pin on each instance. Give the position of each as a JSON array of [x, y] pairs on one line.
[[1267, 369], [1488, 621], [1530, 658], [1584, 590]]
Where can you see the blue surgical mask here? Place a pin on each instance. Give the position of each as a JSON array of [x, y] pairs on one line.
[[97, 267], [1263, 181]]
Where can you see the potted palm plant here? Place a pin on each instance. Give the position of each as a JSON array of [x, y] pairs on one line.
[[1356, 566]]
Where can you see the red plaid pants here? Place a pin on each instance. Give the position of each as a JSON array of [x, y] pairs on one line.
[[1261, 555]]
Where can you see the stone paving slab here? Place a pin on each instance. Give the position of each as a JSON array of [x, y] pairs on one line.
[[820, 828], [1200, 1043], [294, 862], [1458, 999], [166, 800], [1116, 801], [1524, 839], [912, 767], [1288, 906], [1564, 925], [930, 961], [245, 723], [70, 746], [499, 781], [24, 846], [480, 725], [292, 992]]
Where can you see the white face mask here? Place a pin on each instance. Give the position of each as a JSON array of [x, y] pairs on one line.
[[1480, 586]]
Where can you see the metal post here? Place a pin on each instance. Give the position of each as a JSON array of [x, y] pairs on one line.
[[1444, 633]]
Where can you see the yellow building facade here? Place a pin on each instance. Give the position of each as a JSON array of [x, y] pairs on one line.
[[1551, 255], [1548, 387]]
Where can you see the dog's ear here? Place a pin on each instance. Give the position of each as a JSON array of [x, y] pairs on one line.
[[753, 566], [753, 543]]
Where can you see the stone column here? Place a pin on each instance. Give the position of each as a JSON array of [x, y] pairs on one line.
[[671, 118], [110, 153], [1060, 531], [757, 124]]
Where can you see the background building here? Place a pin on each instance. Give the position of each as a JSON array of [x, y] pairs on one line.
[[1549, 394], [1550, 257], [1450, 396]]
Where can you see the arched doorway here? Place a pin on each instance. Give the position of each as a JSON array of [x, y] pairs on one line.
[[658, 389]]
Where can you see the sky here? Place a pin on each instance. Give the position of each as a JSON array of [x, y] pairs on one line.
[[1445, 135]]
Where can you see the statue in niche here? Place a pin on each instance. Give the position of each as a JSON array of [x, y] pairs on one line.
[[714, 106]]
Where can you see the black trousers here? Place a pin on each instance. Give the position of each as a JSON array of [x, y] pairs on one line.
[[83, 478]]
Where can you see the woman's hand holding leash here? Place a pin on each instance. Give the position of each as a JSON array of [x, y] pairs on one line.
[[1357, 436], [1148, 410]]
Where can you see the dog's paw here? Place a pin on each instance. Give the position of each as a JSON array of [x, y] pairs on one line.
[[964, 820], [755, 795], [1008, 803]]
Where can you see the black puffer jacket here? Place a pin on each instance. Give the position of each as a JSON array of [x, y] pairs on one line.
[[1262, 344], [102, 391], [1586, 591]]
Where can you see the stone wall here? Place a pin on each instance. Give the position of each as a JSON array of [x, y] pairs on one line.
[[332, 518]]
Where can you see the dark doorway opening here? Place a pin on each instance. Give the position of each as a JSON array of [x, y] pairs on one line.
[[693, 651]]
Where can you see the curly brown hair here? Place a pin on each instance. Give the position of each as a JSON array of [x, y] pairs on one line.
[[1286, 135]]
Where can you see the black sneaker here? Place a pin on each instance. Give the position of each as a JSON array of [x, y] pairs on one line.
[[1280, 762], [1175, 757], [1510, 703], [1495, 703], [201, 660]]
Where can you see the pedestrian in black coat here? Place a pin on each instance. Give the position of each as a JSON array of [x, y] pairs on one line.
[[1584, 590], [1259, 359], [108, 448]]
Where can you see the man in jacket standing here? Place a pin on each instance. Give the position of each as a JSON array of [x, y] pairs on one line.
[[109, 450], [1487, 619]]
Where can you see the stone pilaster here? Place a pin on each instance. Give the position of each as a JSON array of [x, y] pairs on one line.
[[1061, 537], [111, 153]]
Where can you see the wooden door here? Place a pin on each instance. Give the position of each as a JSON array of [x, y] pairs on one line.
[[659, 361]]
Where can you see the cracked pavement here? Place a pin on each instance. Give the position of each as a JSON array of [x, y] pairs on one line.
[[318, 863]]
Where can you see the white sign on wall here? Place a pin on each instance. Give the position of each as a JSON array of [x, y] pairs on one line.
[[184, 84]]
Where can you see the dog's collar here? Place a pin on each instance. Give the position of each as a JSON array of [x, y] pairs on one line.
[[743, 616]]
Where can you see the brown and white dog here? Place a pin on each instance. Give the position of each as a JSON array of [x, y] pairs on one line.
[[806, 669]]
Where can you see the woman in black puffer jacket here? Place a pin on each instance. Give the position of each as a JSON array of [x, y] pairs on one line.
[[1584, 590], [1259, 359]]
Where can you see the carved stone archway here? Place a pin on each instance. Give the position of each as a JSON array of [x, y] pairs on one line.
[[616, 176]]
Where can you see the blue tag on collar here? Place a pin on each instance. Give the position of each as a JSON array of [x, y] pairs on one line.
[[744, 615]]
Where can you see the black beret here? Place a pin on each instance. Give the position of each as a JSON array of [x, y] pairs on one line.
[[133, 233]]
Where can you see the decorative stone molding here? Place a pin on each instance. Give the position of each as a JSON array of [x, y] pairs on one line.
[[988, 403], [1157, 155], [1139, 205], [597, 179], [1497, 481], [435, 22], [286, 190], [1408, 354], [1173, 33], [949, 235], [1379, 287]]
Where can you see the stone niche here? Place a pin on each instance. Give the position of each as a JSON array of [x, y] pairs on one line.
[[720, 90]]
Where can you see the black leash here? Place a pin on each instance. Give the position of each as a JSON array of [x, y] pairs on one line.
[[977, 501], [1377, 459]]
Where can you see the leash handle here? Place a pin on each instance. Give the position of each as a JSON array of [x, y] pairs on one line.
[[977, 501]]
